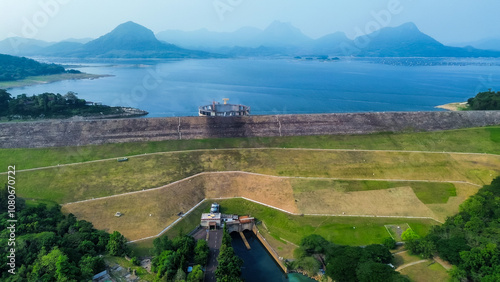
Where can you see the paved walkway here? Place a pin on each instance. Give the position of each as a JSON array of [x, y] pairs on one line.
[[442, 262], [214, 243], [410, 264]]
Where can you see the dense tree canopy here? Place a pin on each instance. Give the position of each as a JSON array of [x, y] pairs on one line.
[[471, 239], [171, 257], [488, 100], [50, 246], [229, 264], [345, 263], [48, 105]]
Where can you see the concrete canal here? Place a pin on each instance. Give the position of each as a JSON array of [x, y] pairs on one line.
[[258, 265]]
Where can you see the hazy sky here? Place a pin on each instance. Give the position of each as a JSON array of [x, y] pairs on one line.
[[53, 20]]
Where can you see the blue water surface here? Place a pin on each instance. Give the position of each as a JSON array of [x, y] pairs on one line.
[[280, 86]]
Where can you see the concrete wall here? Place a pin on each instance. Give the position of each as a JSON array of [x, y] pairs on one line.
[[269, 249], [72, 133]]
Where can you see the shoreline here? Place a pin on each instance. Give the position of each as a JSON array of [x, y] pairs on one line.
[[44, 79], [128, 112], [454, 107]]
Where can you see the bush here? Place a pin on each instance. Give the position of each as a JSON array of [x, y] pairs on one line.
[[390, 243]]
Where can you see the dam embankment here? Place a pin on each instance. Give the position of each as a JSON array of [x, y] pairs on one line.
[[56, 133]]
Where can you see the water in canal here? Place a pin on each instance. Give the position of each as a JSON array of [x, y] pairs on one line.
[[258, 265]]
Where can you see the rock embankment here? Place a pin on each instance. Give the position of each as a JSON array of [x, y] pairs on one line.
[[73, 133]]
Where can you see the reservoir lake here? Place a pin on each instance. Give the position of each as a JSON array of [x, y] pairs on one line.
[[279, 86]]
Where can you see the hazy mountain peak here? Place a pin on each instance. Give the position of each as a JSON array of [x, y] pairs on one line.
[[279, 34], [409, 26], [133, 31], [280, 27], [126, 36]]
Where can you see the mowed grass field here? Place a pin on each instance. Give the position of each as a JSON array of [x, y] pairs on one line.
[[473, 140], [91, 180]]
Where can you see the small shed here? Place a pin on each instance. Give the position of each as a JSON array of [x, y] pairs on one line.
[[211, 220]]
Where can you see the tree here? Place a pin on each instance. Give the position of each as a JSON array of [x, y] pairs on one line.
[[89, 266], [65, 270], [309, 264], [314, 244], [449, 249], [196, 275], [53, 266], [374, 272], [180, 275], [409, 234], [488, 100], [4, 102], [201, 252], [161, 244], [457, 274], [342, 266], [378, 253], [135, 261], [166, 264], [390, 243], [229, 264], [117, 245]]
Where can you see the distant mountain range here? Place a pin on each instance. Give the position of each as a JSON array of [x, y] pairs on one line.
[[285, 39], [128, 40], [486, 44], [131, 40]]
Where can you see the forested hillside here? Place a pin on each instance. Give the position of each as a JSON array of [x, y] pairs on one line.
[[16, 68]]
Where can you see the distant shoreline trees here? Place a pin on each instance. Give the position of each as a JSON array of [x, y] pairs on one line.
[[49, 105], [16, 68], [485, 101]]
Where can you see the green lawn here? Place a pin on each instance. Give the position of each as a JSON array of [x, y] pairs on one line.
[[474, 140]]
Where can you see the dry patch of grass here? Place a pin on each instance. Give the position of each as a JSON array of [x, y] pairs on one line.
[[165, 203], [425, 272], [464, 191], [144, 213], [269, 190], [388, 202], [403, 258], [107, 178]]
